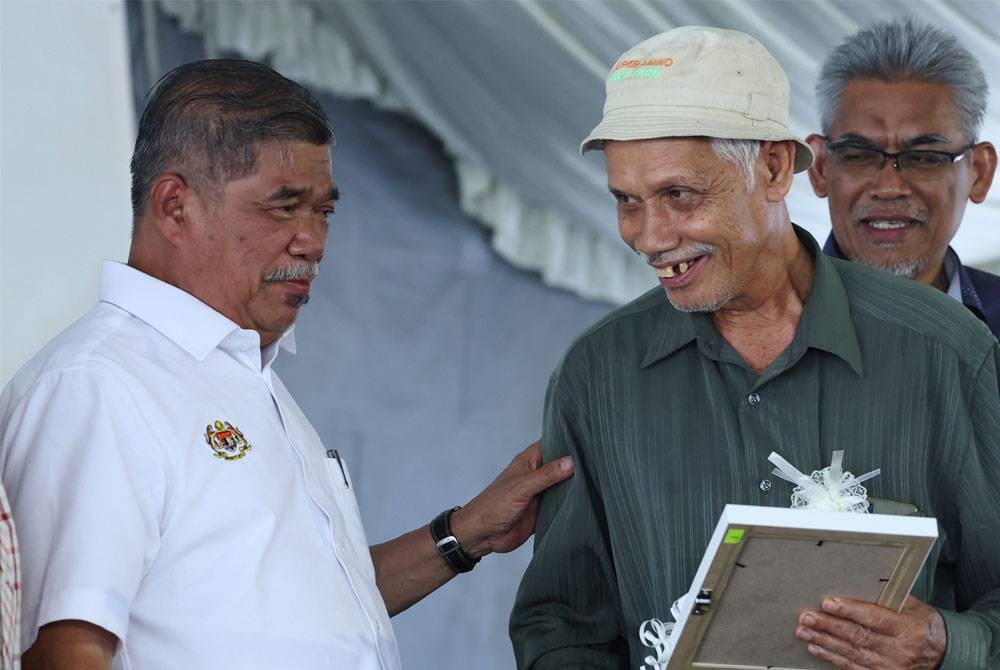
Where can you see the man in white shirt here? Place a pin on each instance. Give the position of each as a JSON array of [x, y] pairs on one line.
[[178, 510]]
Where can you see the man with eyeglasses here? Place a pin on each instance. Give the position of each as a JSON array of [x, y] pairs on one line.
[[901, 105]]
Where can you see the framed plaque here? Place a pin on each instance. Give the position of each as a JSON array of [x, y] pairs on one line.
[[765, 565]]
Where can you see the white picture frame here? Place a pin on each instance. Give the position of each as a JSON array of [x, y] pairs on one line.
[[764, 565]]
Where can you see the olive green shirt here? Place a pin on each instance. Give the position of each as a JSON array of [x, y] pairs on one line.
[[668, 424]]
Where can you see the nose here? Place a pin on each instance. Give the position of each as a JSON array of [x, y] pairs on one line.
[[889, 182], [647, 229], [309, 240]]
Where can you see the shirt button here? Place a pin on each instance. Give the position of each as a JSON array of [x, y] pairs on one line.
[[753, 399], [765, 486]]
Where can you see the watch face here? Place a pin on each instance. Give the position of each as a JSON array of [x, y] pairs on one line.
[[447, 544]]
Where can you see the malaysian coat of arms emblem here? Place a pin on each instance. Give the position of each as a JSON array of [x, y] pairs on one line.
[[226, 440]]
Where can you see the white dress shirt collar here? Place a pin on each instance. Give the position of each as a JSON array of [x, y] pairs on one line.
[[181, 317], [951, 265]]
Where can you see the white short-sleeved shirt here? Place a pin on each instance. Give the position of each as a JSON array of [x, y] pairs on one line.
[[167, 488]]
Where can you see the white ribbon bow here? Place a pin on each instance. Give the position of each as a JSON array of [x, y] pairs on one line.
[[656, 634], [828, 490]]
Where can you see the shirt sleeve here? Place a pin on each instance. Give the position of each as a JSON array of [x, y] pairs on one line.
[[974, 630], [567, 612], [86, 493]]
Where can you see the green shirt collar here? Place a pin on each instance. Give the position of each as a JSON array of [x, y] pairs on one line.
[[826, 323]]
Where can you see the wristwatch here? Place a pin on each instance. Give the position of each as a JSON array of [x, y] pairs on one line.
[[448, 545]]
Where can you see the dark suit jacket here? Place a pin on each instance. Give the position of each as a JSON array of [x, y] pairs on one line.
[[980, 290]]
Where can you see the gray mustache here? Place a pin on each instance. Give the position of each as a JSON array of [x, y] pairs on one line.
[[297, 272], [911, 210], [672, 257]]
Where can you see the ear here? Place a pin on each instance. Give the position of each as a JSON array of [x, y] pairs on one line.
[[984, 164], [168, 198], [817, 176], [779, 162]]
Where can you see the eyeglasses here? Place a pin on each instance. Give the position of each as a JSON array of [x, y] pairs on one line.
[[919, 164]]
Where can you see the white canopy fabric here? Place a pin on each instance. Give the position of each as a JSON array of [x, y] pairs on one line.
[[511, 87]]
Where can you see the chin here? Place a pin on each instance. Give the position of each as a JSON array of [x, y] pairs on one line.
[[901, 267], [279, 324], [705, 305]]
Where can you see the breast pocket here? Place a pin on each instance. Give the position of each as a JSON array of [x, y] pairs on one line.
[[341, 487]]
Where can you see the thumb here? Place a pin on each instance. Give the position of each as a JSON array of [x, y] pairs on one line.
[[549, 474]]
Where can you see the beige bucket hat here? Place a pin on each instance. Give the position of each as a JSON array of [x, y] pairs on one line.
[[696, 81]]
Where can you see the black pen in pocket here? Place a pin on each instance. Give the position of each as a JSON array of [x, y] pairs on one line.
[[332, 453]]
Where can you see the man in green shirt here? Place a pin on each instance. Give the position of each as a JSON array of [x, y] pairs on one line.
[[670, 407]]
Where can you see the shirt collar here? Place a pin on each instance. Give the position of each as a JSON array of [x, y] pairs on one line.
[[672, 330], [179, 316], [951, 274], [825, 324], [967, 293]]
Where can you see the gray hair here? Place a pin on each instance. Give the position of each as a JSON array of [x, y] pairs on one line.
[[741, 153], [208, 119], [905, 50]]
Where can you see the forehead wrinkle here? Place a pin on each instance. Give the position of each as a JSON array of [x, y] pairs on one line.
[[661, 172], [691, 164], [899, 114]]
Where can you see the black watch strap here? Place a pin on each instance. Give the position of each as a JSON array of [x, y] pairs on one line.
[[448, 545]]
